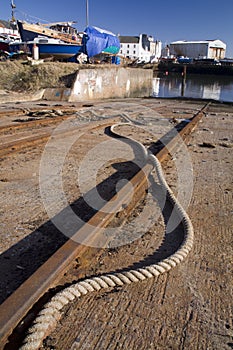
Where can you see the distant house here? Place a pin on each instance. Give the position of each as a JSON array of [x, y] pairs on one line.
[[142, 47], [199, 49]]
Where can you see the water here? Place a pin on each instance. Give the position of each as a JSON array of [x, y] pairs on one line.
[[219, 88]]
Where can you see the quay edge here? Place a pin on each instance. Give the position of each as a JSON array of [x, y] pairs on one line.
[[196, 68]]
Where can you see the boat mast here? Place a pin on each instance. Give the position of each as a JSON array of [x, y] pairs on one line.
[[13, 11], [87, 13]]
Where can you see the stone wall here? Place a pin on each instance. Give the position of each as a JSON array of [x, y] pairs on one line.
[[101, 83]]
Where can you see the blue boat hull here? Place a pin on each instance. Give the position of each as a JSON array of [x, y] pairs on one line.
[[58, 51]]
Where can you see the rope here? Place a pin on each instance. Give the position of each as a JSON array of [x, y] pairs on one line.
[[48, 317]]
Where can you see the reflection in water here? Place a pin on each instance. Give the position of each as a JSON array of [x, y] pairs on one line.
[[194, 86]]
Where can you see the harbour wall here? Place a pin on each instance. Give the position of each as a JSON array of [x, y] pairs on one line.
[[194, 68], [101, 83]]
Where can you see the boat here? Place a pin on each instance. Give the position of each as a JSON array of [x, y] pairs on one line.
[[92, 41], [64, 31], [4, 43], [97, 40], [6, 39], [48, 47], [100, 41], [61, 40], [59, 30], [8, 33]]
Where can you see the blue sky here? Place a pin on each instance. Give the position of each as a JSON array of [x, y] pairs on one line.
[[165, 20]]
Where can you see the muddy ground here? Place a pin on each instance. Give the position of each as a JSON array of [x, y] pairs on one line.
[[188, 308]]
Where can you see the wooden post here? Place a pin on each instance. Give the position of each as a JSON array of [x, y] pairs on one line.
[[184, 73]]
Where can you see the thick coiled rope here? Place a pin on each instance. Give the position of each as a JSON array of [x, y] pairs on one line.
[[48, 317]]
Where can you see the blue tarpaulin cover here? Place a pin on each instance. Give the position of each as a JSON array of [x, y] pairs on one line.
[[99, 40]]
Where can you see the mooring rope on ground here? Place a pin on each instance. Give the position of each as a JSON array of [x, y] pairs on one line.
[[49, 316]]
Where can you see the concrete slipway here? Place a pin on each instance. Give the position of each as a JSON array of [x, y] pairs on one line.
[[187, 308]]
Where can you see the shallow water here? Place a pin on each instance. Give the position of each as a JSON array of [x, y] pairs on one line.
[[219, 88]]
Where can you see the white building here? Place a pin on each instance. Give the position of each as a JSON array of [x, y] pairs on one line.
[[7, 27], [199, 49], [142, 47]]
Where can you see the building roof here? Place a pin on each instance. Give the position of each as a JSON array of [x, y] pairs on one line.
[[214, 43], [129, 39], [6, 24]]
